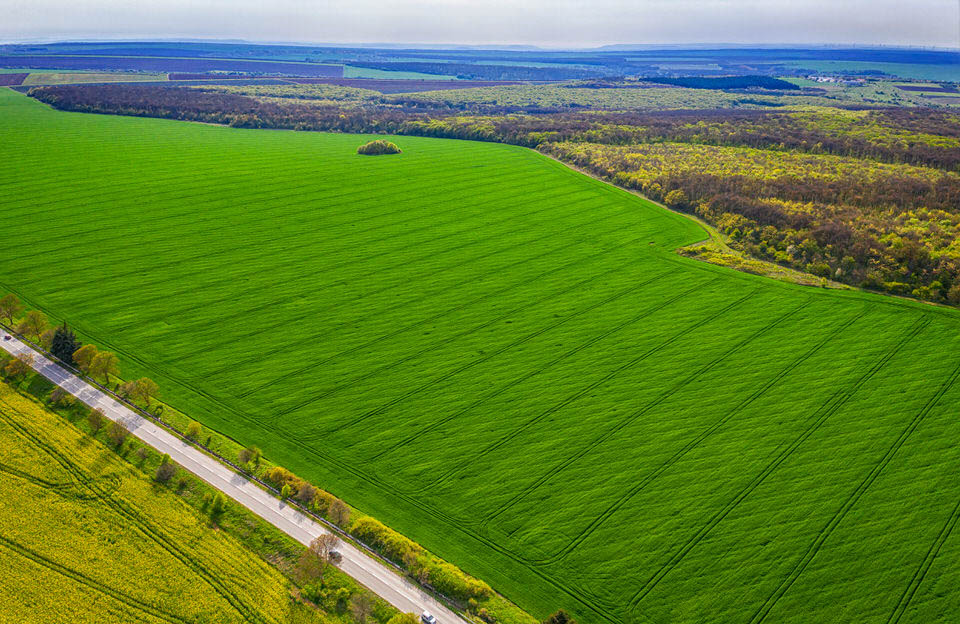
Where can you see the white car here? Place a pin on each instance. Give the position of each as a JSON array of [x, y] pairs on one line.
[[427, 618]]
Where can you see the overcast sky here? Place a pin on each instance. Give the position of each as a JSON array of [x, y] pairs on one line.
[[555, 23]]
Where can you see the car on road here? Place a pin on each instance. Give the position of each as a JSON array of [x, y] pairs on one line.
[[6, 337], [427, 618], [335, 556]]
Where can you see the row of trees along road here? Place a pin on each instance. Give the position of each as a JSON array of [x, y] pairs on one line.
[[64, 345]]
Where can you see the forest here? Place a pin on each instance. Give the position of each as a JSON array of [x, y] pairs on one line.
[[864, 196]]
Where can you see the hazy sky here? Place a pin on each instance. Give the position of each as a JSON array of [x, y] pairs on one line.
[[542, 22]]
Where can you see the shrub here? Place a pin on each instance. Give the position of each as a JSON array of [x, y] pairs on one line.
[[193, 430], [306, 493], [250, 455], [118, 433], [378, 148], [339, 513], [278, 476], [218, 505], [165, 471]]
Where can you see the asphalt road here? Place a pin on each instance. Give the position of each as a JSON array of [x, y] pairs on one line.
[[376, 576]]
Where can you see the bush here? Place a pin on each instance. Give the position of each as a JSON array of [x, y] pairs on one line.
[[118, 433], [166, 470], [218, 505], [95, 419], [250, 455], [278, 477], [378, 148], [193, 430]]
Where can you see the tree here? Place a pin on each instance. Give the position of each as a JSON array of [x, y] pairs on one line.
[[18, 367], [103, 365], [676, 199], [64, 344], [250, 455], [313, 562], [10, 307], [953, 295], [361, 606], [145, 389], [339, 513], [286, 491], [83, 357], [95, 419], [46, 340], [193, 430], [306, 493], [560, 617], [165, 470], [33, 324], [126, 389], [118, 433]]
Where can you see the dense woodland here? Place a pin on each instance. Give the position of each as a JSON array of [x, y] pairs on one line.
[[869, 197], [727, 82]]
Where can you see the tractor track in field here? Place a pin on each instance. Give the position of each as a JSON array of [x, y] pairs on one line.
[[289, 210], [530, 374], [92, 334], [67, 489], [631, 418], [448, 288], [86, 581], [426, 429], [316, 396], [207, 254], [467, 332], [583, 391], [219, 401], [854, 497], [215, 190], [128, 512], [295, 262], [921, 573], [836, 401], [707, 433]]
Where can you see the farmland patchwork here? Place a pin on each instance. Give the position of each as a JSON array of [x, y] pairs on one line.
[[505, 360]]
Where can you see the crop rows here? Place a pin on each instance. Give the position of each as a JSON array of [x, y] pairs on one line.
[[505, 360]]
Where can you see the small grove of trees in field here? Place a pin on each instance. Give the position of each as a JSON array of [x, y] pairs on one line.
[[378, 147]]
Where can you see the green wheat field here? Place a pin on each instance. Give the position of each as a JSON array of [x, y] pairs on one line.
[[505, 360]]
